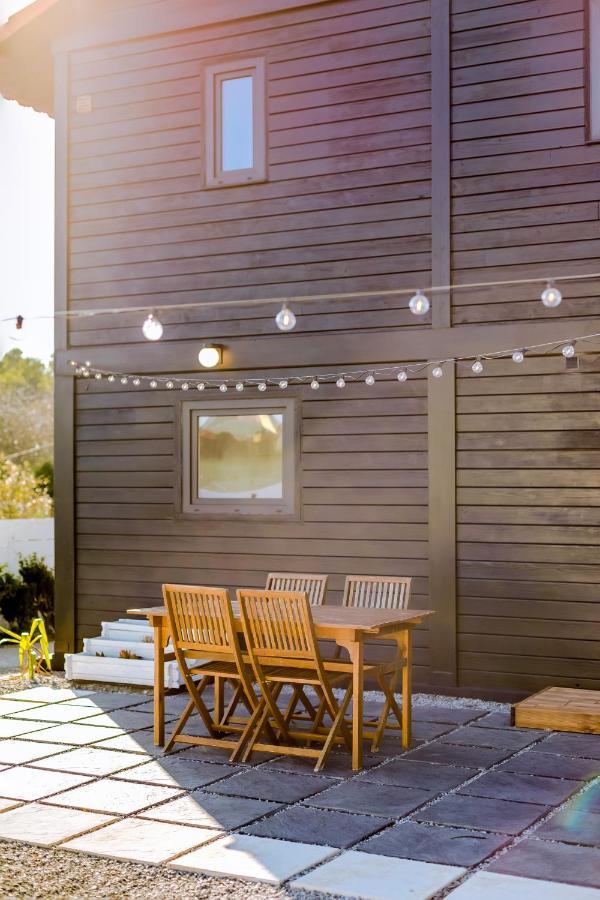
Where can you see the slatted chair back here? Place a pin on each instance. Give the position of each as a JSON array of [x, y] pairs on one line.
[[375, 592], [314, 586], [278, 627], [201, 621]]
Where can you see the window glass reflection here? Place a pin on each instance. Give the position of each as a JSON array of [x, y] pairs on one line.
[[237, 132]]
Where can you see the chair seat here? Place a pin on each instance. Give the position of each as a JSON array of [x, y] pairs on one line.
[[295, 675], [216, 668]]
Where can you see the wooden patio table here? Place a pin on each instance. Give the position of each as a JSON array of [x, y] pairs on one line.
[[349, 627]]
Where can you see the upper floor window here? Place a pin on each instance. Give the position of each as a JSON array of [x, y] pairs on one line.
[[235, 124], [594, 70]]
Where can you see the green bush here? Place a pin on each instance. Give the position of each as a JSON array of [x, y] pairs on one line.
[[27, 595]]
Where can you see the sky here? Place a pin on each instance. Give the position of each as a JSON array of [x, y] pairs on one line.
[[26, 222]]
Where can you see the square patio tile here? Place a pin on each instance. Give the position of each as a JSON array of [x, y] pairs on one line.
[[17, 727], [493, 886], [13, 752], [50, 713], [221, 755], [89, 761], [43, 694], [412, 773], [253, 858], [590, 799], [428, 731], [37, 823], [114, 796], [23, 783], [8, 804], [571, 826], [124, 719], [552, 765], [496, 738], [339, 765], [501, 816], [316, 826], [10, 707], [552, 861], [451, 715], [137, 742], [104, 701], [70, 733], [435, 843], [265, 784], [523, 788], [389, 801], [174, 704], [211, 810], [455, 755], [140, 840], [356, 874], [586, 746], [494, 720], [172, 771]]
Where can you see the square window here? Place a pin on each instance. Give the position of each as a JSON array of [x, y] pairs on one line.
[[239, 459], [593, 73], [235, 123]]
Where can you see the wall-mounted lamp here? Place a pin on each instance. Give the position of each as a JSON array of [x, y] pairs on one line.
[[210, 355]]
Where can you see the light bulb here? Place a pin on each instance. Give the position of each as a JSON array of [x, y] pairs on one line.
[[518, 356], [87, 363], [568, 350], [210, 356], [136, 381], [123, 380], [73, 362], [551, 296], [437, 372], [419, 304], [477, 367], [283, 384], [239, 386], [341, 382], [402, 375], [185, 386], [153, 384], [223, 388], [169, 385], [201, 386], [314, 384], [262, 386], [285, 319], [85, 373], [111, 378], [370, 380], [98, 376], [152, 328]]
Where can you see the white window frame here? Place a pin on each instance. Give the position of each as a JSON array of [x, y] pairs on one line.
[[215, 74], [593, 70]]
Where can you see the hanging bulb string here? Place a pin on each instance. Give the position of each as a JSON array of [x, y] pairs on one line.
[[86, 370], [306, 298]]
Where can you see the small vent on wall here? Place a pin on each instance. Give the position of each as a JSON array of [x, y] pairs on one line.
[[572, 362], [83, 104]]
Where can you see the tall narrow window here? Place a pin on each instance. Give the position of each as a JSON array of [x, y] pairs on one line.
[[235, 123], [593, 73]]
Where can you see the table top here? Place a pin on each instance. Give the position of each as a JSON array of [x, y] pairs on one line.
[[332, 621]]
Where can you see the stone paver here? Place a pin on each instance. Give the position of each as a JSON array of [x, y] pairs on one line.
[[69, 733], [486, 815], [24, 783], [495, 738], [451, 715], [533, 762], [124, 719], [104, 701], [172, 771], [13, 752], [523, 788], [553, 861], [412, 773], [113, 796], [138, 742], [586, 746], [316, 826], [455, 755], [572, 826], [388, 801], [54, 714], [494, 720], [12, 707], [493, 886], [221, 755], [264, 784], [212, 810], [44, 694], [89, 761], [37, 823], [338, 765], [356, 874], [253, 858], [140, 840], [20, 728], [435, 843], [428, 731]]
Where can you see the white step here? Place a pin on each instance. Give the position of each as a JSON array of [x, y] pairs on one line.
[[127, 630], [103, 647], [81, 667]]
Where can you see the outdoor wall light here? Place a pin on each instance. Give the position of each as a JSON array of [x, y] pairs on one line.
[[210, 355]]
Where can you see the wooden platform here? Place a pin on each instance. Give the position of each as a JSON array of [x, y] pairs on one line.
[[560, 709]]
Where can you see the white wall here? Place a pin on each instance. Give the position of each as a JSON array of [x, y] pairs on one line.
[[26, 536]]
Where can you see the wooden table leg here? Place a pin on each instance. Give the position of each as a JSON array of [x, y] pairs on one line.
[[219, 696], [160, 640], [406, 687], [356, 655]]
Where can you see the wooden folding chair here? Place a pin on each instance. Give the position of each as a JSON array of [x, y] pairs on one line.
[[381, 592], [314, 586], [283, 649], [202, 626]]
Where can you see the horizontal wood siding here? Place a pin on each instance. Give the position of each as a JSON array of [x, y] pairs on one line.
[[526, 186], [528, 481]]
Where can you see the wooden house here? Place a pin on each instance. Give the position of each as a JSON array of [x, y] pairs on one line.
[[394, 144]]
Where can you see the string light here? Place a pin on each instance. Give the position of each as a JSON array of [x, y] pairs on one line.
[[262, 386], [169, 385], [402, 375], [223, 388], [110, 378], [123, 380], [518, 356], [200, 386], [477, 367], [153, 383], [341, 382], [185, 386], [239, 386], [551, 297], [152, 329], [568, 350], [283, 384], [98, 376], [370, 379], [419, 304], [314, 384], [136, 382], [437, 372], [285, 319]]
